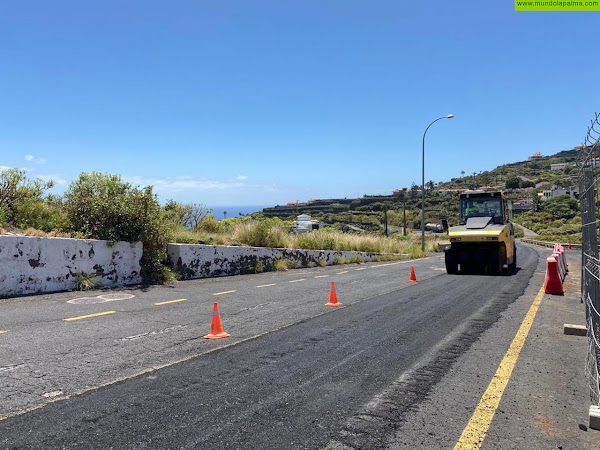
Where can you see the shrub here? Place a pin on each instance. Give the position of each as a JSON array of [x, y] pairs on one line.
[[356, 259], [321, 262], [16, 190], [339, 260], [103, 206], [86, 282], [280, 265], [40, 215]]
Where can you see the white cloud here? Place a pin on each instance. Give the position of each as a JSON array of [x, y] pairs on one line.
[[242, 177], [58, 180], [183, 183], [34, 159]]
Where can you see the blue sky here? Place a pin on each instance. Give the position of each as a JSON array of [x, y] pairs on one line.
[[263, 102]]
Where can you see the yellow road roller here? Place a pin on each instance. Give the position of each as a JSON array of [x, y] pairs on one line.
[[484, 240]]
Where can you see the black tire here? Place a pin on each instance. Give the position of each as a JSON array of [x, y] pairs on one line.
[[451, 263], [513, 265], [495, 263]]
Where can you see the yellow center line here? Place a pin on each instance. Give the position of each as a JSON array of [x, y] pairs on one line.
[[70, 319], [179, 300], [361, 268], [2, 331], [321, 276], [225, 292], [345, 271], [266, 285], [479, 424], [296, 281]]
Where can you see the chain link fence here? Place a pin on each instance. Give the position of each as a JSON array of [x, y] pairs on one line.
[[589, 158]]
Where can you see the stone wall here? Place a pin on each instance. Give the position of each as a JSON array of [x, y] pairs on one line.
[[203, 261], [31, 265]]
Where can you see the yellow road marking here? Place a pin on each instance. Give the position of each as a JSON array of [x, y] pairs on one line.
[[321, 276], [479, 424], [225, 292], [345, 271], [266, 285], [296, 281], [70, 319], [361, 268], [179, 300], [2, 331]]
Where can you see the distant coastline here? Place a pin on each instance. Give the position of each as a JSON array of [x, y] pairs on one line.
[[234, 211]]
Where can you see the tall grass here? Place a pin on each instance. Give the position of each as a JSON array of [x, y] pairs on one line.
[[256, 233]]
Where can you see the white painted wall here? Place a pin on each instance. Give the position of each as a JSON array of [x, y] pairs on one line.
[[30, 265], [203, 261]]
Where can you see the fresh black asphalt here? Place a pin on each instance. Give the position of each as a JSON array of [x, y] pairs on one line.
[[302, 386]]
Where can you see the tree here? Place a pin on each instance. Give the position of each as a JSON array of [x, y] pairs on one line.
[[561, 207], [513, 183], [16, 190], [186, 215]]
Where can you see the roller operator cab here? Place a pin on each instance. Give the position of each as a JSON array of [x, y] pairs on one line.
[[484, 241]]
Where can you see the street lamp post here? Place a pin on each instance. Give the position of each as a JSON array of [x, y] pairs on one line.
[[449, 116]]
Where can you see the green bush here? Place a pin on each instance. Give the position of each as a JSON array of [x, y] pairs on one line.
[[40, 215], [338, 260], [16, 191], [103, 206], [280, 265]]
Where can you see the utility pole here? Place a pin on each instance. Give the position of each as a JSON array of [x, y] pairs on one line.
[[404, 210], [386, 222]]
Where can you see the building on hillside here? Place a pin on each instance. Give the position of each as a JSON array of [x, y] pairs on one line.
[[536, 156], [555, 192], [524, 201], [559, 166], [593, 162], [446, 191]]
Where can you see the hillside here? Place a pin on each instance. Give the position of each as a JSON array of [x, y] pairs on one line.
[[521, 181]]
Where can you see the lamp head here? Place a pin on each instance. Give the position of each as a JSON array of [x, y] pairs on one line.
[[449, 116]]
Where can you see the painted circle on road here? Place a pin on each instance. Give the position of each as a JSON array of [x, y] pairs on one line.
[[100, 299], [85, 301], [114, 297]]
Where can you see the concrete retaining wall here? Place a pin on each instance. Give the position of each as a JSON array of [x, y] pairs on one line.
[[30, 265], [203, 261]]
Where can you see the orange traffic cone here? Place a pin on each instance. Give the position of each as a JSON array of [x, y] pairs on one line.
[[413, 277], [570, 248], [333, 301], [216, 328]]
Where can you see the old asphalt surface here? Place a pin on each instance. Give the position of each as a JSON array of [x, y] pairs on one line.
[[398, 366]]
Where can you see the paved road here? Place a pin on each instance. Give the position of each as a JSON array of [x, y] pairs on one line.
[[294, 374]]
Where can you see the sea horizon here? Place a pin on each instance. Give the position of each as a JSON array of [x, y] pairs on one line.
[[234, 211]]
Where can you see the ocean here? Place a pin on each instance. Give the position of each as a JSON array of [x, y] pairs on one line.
[[234, 211]]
